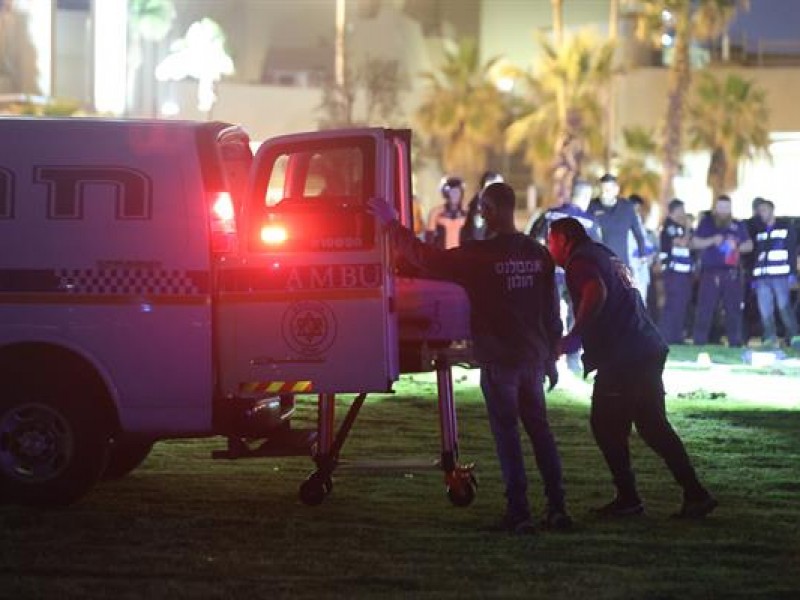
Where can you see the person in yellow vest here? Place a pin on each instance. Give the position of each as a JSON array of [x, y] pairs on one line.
[[446, 220]]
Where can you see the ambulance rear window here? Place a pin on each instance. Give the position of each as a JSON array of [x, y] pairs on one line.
[[314, 198]]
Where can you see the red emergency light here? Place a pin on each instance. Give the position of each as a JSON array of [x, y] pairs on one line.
[[274, 235], [223, 222]]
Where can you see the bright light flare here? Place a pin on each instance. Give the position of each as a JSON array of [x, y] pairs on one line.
[[223, 207], [223, 222], [110, 55], [274, 235], [505, 84]]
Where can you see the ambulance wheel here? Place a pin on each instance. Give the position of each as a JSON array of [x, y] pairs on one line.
[[462, 492], [53, 444], [125, 455], [314, 489]]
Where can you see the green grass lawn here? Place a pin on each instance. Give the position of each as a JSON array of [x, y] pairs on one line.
[[183, 526]]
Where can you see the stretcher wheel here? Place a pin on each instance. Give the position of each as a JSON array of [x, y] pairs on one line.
[[314, 489], [462, 491]]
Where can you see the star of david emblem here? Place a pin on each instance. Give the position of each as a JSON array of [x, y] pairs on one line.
[[309, 327]]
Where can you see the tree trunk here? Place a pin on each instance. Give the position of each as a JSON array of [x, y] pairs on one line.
[[558, 22], [717, 173], [679, 79], [569, 160], [339, 52], [611, 113]]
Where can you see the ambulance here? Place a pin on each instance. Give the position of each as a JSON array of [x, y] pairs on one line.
[[160, 280]]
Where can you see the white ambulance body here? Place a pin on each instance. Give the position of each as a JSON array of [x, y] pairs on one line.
[[158, 281]]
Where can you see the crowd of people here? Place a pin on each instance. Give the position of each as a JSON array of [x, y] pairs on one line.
[[685, 272]]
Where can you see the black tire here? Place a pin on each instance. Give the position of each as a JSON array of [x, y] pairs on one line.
[[125, 455], [314, 489], [54, 439]]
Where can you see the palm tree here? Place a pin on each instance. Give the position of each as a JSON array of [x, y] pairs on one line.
[[150, 22], [728, 117], [633, 169], [692, 20], [558, 22], [560, 121], [201, 55], [462, 111], [378, 82]]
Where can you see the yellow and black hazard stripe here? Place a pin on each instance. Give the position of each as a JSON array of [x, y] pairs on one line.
[[276, 387]]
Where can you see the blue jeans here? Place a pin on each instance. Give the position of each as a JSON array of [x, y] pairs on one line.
[[772, 291], [515, 393]]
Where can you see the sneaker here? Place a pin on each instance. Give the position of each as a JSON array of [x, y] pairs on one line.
[[620, 507], [697, 509], [556, 519]]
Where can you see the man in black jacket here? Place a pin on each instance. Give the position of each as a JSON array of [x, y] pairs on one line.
[[616, 218], [475, 227], [515, 325], [624, 346]]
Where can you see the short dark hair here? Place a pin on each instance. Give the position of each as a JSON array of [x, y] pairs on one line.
[[769, 203], [569, 228], [607, 177], [636, 199], [757, 201], [723, 198], [674, 204], [501, 194]]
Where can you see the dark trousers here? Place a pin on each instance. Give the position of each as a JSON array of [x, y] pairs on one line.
[[634, 395], [716, 285], [677, 294], [513, 394]]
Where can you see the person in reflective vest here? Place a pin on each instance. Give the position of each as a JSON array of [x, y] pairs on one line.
[[446, 220], [540, 230], [774, 273], [677, 265], [722, 240]]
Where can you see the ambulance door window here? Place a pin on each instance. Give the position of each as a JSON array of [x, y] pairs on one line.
[[315, 199]]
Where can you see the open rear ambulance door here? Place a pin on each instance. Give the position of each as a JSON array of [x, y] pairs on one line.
[[307, 304]]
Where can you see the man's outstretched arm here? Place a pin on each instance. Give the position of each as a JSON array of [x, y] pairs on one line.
[[434, 262]]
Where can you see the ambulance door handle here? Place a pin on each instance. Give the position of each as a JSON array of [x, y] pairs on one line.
[[266, 361]]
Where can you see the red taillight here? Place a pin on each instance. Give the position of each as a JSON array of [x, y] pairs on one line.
[[223, 223], [274, 235]]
